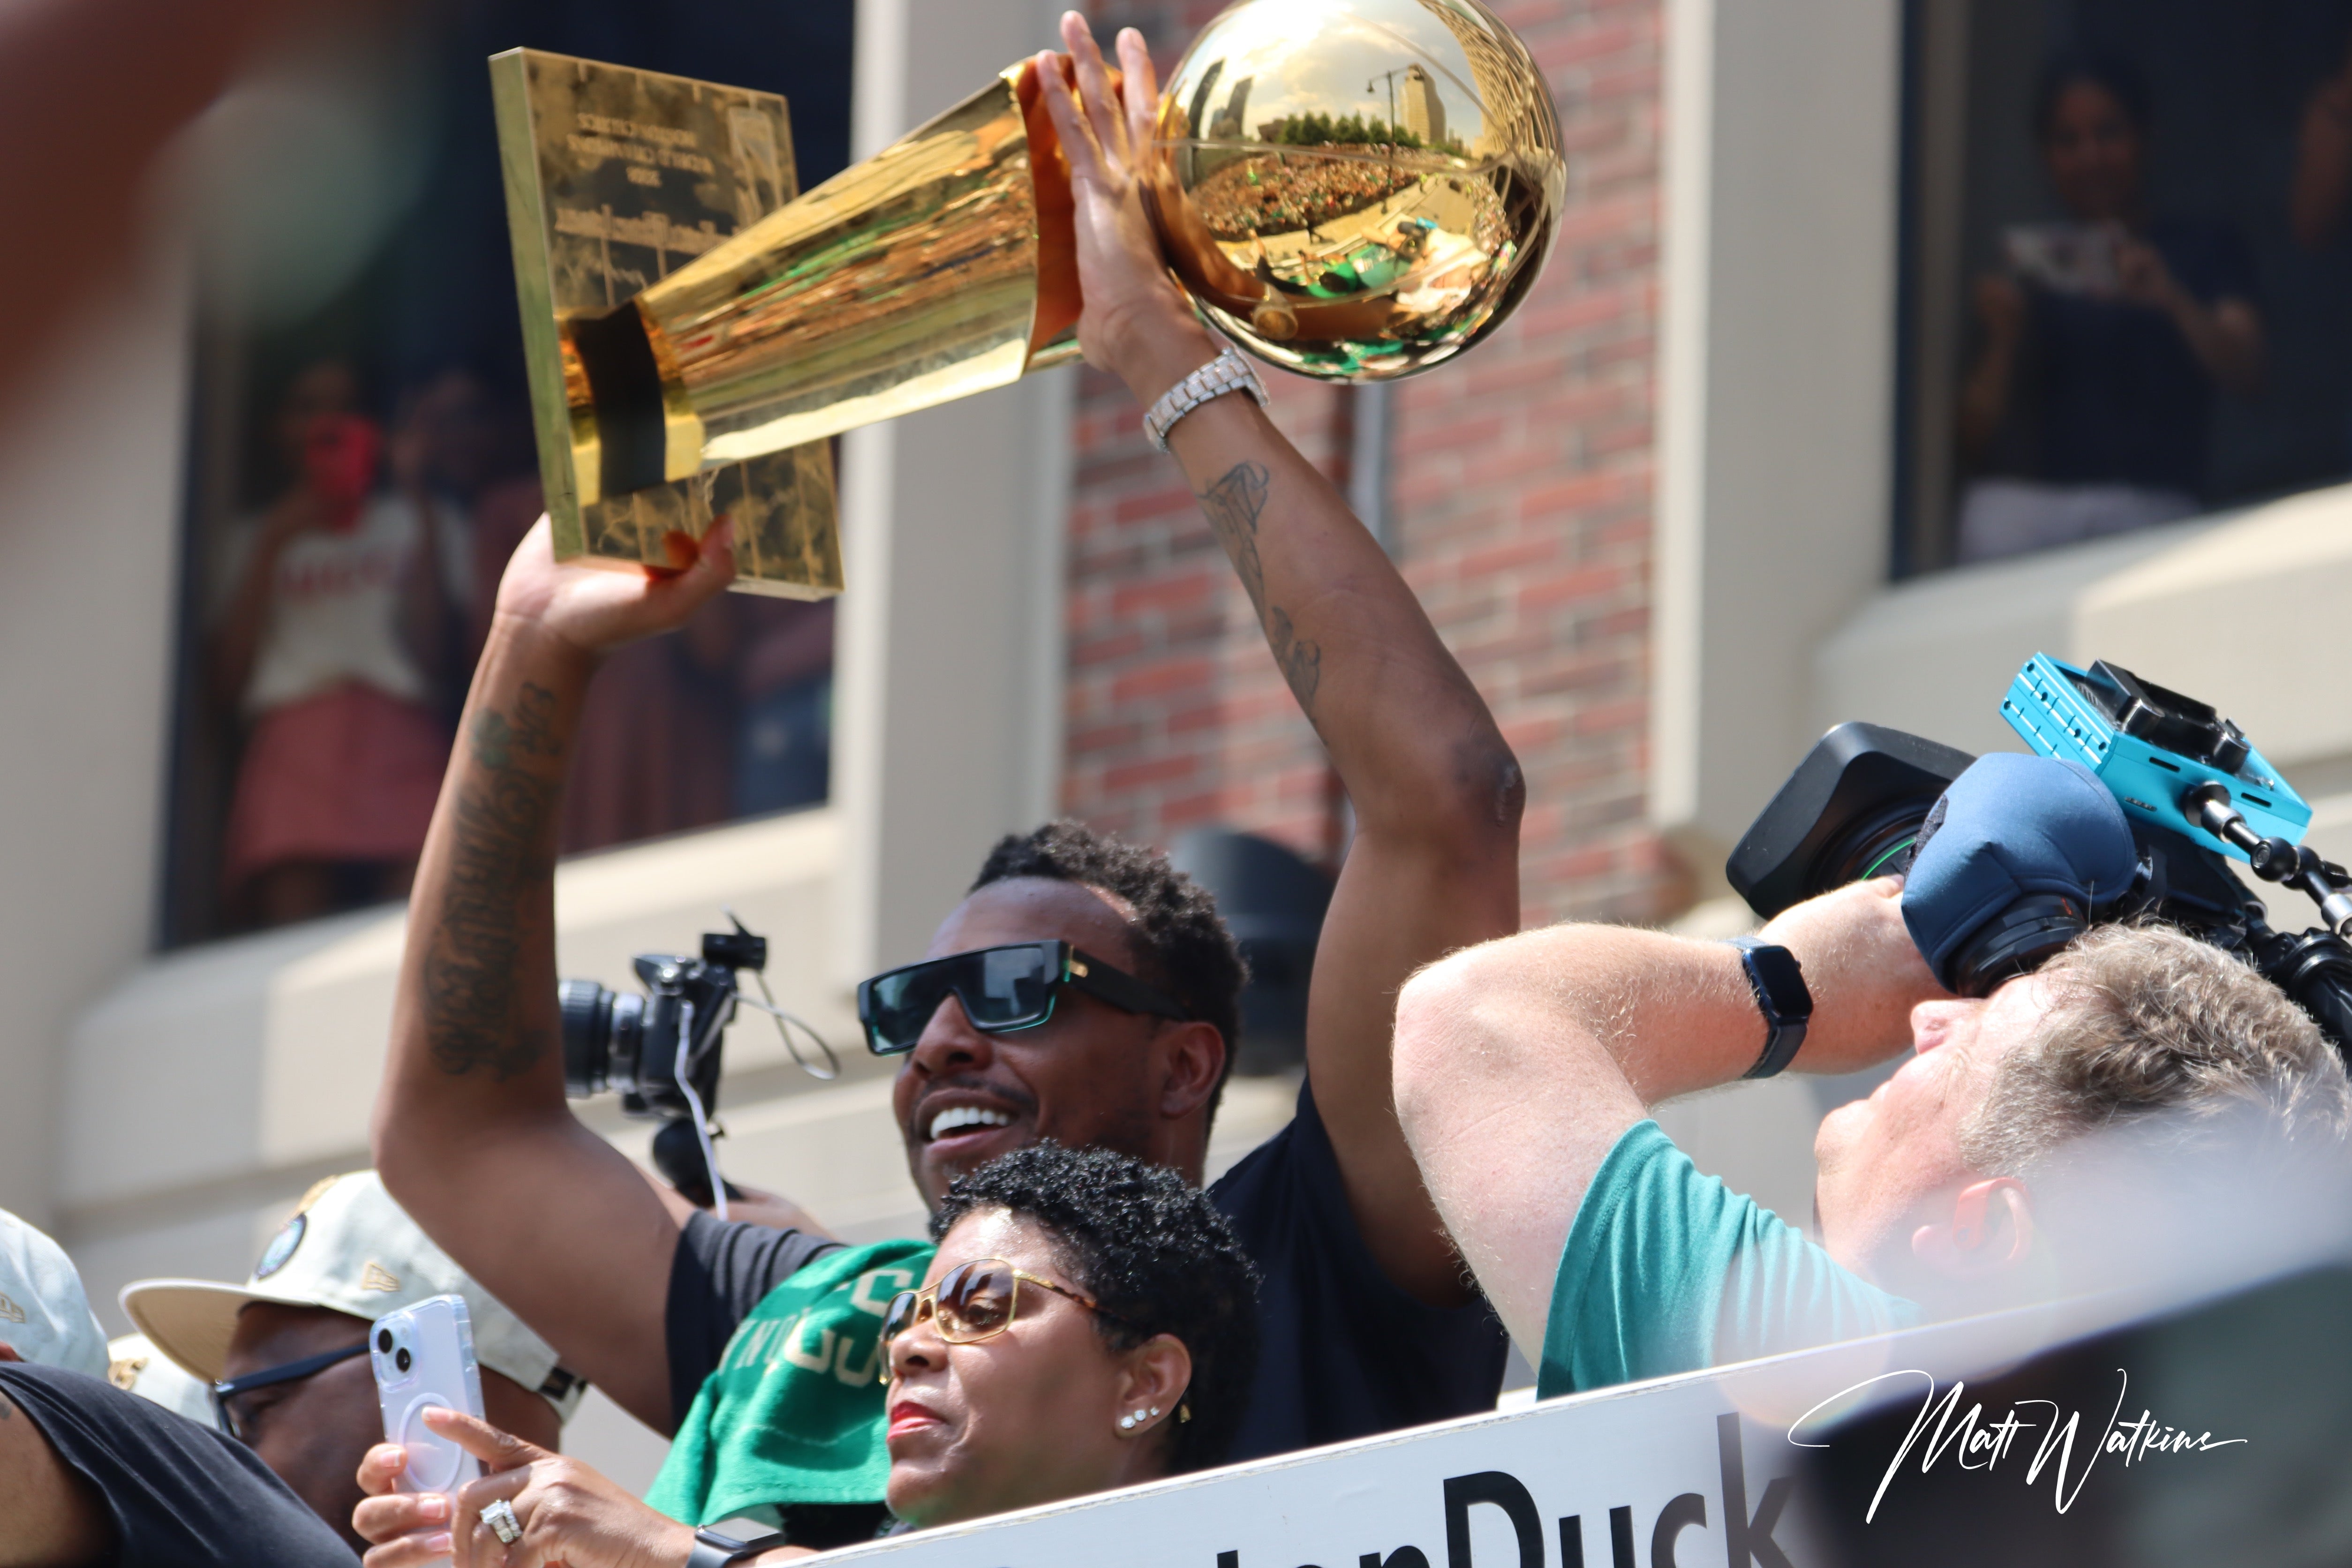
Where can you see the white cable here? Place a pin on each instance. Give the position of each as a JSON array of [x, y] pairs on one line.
[[694, 1103], [831, 1063]]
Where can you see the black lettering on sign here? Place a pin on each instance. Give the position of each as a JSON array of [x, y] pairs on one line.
[[1620, 1539], [1673, 1519], [1571, 1541], [1747, 1536], [1505, 1492], [1402, 1557]]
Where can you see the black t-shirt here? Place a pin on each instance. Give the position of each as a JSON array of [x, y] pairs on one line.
[[2121, 398], [180, 1495], [1342, 1353]]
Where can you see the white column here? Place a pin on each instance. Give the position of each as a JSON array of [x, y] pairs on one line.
[[90, 481], [948, 671], [1776, 415]]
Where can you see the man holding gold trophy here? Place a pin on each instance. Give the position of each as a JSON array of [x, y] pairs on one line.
[[1356, 252]]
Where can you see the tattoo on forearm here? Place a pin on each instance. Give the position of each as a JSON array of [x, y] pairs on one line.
[[1234, 505], [501, 823], [1301, 660]]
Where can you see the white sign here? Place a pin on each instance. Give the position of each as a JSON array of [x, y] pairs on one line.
[[1700, 1469], [1647, 1475]]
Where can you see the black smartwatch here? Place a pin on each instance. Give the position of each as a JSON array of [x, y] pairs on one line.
[[1779, 982], [712, 1549]]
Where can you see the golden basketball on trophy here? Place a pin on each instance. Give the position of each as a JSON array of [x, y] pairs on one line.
[[1354, 189]]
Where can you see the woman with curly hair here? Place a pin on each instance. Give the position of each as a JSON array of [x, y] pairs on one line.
[[1088, 1322]]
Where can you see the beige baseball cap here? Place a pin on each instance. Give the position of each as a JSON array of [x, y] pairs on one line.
[[349, 1247], [135, 1366]]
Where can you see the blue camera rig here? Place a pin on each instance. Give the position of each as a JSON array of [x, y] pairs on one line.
[[2175, 763], [2150, 747], [2192, 794]]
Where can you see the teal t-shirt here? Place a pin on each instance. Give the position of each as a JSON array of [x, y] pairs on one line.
[[1668, 1270]]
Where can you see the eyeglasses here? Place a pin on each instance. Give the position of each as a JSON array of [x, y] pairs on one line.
[[1003, 989], [225, 1414], [973, 1301]]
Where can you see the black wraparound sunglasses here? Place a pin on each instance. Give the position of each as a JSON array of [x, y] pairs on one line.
[[231, 1419], [1002, 988]]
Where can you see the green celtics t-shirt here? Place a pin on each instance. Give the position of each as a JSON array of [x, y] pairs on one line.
[[1668, 1270], [794, 1411]]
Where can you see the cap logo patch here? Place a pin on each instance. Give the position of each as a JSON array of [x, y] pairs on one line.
[[375, 1276], [10, 1311], [281, 1247]]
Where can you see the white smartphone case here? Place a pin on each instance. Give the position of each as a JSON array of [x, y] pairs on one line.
[[423, 1359]]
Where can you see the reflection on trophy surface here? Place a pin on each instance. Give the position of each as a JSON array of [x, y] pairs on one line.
[[1350, 189], [1357, 190]]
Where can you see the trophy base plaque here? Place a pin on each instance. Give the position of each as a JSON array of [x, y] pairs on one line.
[[614, 178]]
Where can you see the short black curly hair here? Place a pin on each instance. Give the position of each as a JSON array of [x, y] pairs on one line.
[[1183, 945], [1153, 1250]]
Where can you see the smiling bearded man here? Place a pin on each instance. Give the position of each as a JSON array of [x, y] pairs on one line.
[[1084, 993]]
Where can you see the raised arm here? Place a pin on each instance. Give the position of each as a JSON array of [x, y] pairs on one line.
[[1437, 794], [1519, 1064], [472, 1133]]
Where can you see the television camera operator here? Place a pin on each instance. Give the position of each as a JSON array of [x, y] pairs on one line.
[[2083, 1123], [1368, 1323]]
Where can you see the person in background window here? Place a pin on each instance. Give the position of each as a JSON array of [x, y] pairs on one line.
[[2323, 162], [2105, 341], [328, 634]]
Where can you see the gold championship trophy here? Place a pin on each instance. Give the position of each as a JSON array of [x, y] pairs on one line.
[[1352, 189]]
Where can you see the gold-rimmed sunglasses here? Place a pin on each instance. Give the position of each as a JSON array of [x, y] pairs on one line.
[[973, 1301]]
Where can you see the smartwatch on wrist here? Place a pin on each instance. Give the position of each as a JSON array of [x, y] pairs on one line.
[[712, 1549], [1779, 982]]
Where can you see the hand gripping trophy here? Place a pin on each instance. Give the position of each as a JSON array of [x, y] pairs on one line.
[[1353, 190]]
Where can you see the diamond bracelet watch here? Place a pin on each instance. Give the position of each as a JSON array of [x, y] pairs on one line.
[[1226, 372]]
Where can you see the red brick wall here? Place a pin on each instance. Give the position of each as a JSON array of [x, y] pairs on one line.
[[1521, 496]]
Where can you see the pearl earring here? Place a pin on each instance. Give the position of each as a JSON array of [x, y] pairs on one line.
[[1127, 1423]]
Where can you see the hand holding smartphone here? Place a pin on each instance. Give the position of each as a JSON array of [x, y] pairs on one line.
[[2063, 257], [423, 1360]]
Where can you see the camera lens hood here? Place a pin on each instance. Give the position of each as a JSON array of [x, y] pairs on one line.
[[1849, 811]]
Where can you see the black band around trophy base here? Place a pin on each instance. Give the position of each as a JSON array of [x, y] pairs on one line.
[[626, 381]]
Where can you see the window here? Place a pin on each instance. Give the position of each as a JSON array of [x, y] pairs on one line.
[[2127, 289], [361, 466]]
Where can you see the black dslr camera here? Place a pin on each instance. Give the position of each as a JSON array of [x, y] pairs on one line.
[[661, 1050], [2193, 792]]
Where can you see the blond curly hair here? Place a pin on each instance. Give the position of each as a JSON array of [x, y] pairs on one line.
[[2152, 1031]]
